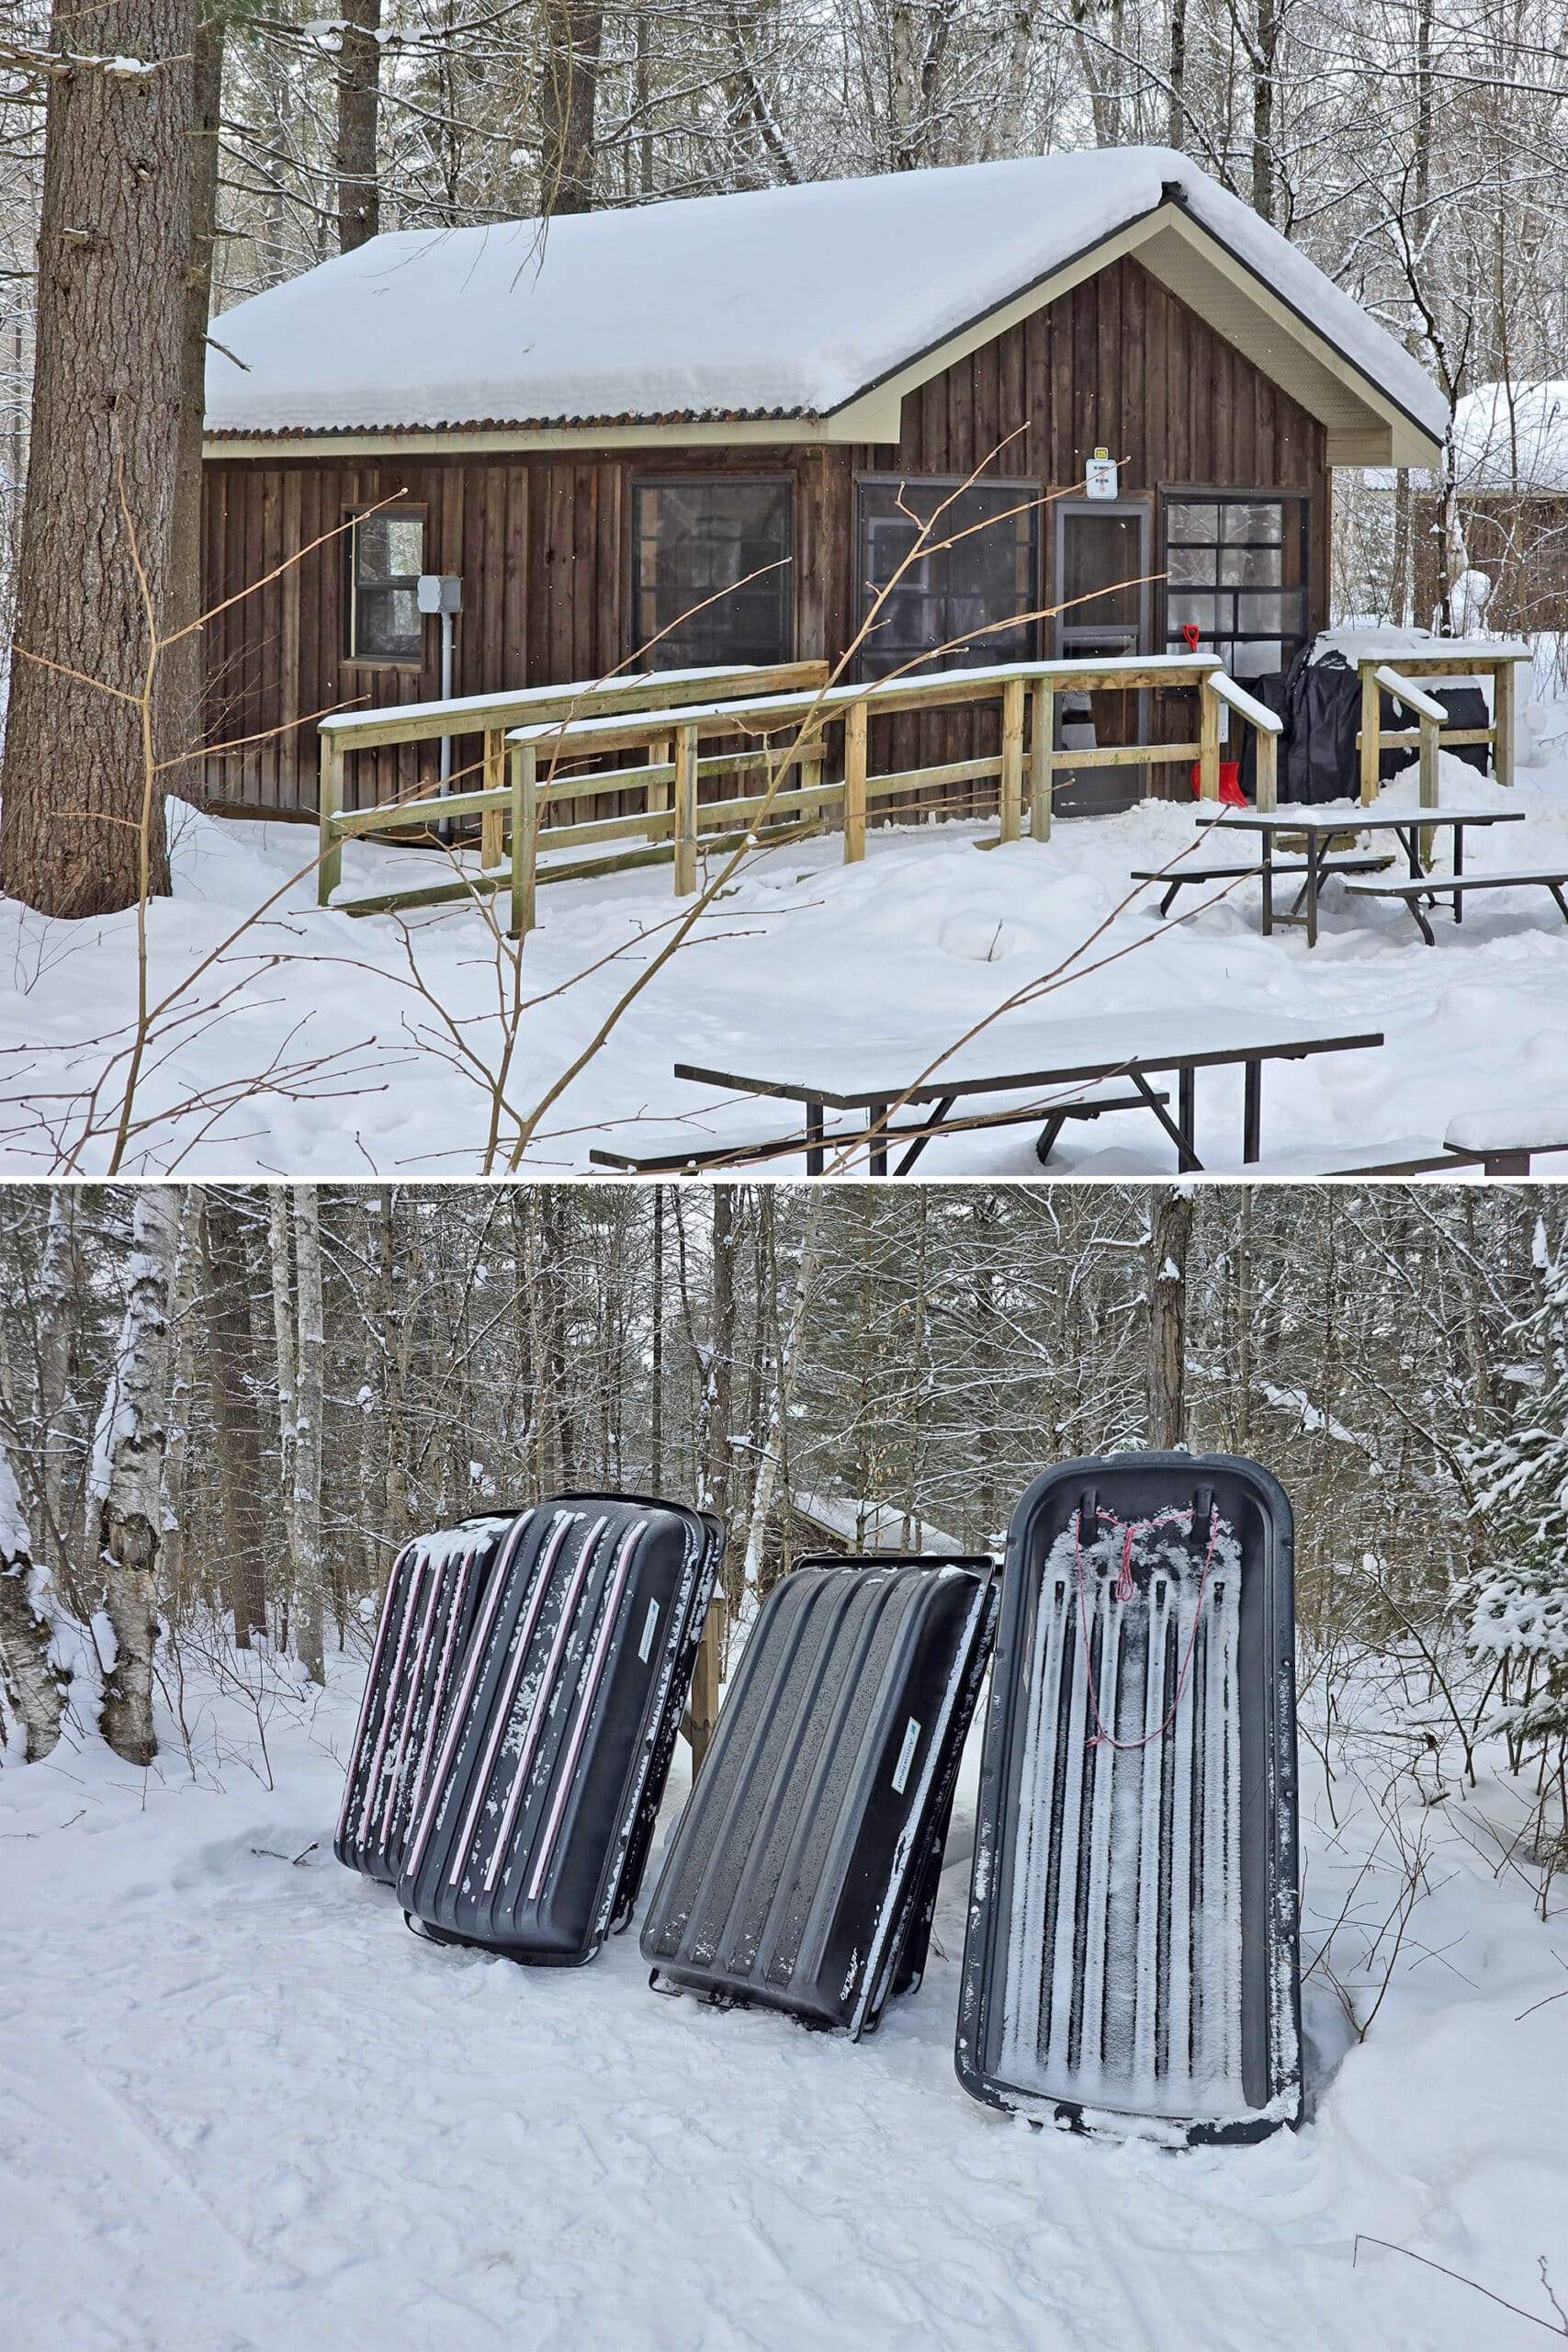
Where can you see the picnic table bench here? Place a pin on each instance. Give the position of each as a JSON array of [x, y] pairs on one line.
[[1433, 887], [1501, 1143], [1318, 824], [1054, 1063], [1269, 872]]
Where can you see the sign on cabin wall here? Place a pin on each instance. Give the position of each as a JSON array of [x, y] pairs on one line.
[[1099, 475]]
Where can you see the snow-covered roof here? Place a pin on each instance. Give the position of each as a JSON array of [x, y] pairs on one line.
[[874, 1527], [799, 303]]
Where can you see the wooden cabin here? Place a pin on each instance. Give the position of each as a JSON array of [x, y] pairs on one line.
[[707, 431]]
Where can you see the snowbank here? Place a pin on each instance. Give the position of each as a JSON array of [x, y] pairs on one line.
[[308, 1050], [246, 2109]]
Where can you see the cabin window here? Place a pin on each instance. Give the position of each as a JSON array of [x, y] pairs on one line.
[[958, 600], [712, 579], [1236, 566], [385, 557]]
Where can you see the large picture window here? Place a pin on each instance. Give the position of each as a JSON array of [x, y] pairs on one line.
[[386, 556], [1235, 569], [712, 579], [977, 569]]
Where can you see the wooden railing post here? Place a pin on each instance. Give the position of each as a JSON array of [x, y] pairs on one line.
[[329, 798], [658, 794], [1041, 740], [1502, 721], [1371, 711], [1429, 779], [525, 837], [854, 783], [1268, 768], [1208, 743], [1012, 758], [492, 820], [685, 811]]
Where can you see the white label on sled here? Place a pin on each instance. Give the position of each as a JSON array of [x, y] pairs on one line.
[[907, 1756], [645, 1645]]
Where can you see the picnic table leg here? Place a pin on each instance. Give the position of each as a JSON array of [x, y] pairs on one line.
[[878, 1126], [933, 1124], [1459, 869], [1046, 1140], [1268, 887], [1187, 1158], [1505, 1163], [813, 1157], [1252, 1112], [1187, 1118], [1313, 857]]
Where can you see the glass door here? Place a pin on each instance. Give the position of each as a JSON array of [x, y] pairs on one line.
[[1102, 595]]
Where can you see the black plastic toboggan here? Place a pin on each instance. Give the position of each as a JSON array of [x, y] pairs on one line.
[[535, 1829], [803, 1874], [1132, 1962], [433, 1595]]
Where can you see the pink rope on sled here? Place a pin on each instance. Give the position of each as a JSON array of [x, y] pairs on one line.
[[1125, 1591]]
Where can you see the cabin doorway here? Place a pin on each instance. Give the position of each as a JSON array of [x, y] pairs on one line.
[[1102, 595]]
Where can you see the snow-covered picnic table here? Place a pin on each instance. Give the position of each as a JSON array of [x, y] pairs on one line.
[[1318, 826], [1059, 1064]]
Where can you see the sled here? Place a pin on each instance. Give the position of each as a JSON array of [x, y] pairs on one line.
[[1132, 1962], [433, 1594], [533, 1832], [803, 1874]]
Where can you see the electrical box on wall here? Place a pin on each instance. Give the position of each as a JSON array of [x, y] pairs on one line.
[[440, 593]]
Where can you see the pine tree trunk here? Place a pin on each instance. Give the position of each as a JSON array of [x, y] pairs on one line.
[[81, 826], [1170, 1232], [570, 84], [180, 671], [234, 1376], [308, 1563], [35, 1688], [358, 107], [127, 1473]]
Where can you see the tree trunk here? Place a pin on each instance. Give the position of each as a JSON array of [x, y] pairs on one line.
[[127, 1473], [655, 1349], [35, 1688], [233, 1372], [569, 89], [60, 1280], [358, 108], [1265, 67], [281, 1266], [311, 1582], [188, 1256], [180, 671], [81, 827], [713, 1459], [1170, 1232], [1176, 115]]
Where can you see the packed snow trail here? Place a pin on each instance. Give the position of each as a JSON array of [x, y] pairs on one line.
[[246, 2109]]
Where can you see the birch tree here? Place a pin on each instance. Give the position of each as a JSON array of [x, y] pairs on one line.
[[126, 1476], [34, 1685]]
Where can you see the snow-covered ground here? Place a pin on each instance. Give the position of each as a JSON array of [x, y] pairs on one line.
[[307, 1048], [245, 2109]]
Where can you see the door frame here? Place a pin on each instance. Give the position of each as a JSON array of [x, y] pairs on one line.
[[1142, 508]]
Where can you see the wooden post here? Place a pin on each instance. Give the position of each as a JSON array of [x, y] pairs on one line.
[[1041, 736], [1208, 743], [1012, 758], [329, 796], [703, 1711], [1429, 777], [855, 784], [1502, 721], [685, 811], [492, 820], [658, 794], [525, 837], [1372, 707], [1268, 769]]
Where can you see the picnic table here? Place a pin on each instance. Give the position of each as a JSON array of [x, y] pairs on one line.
[[1318, 826], [1045, 1059]]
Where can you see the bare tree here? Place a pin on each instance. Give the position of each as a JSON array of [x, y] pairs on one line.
[[568, 90], [308, 1565], [358, 113], [126, 1478], [34, 1686], [1170, 1232]]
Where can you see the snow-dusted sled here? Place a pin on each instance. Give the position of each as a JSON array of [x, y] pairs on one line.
[[433, 1595], [535, 1828], [803, 1874], [1131, 1960]]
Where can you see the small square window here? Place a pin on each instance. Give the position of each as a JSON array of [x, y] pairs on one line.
[[385, 557]]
